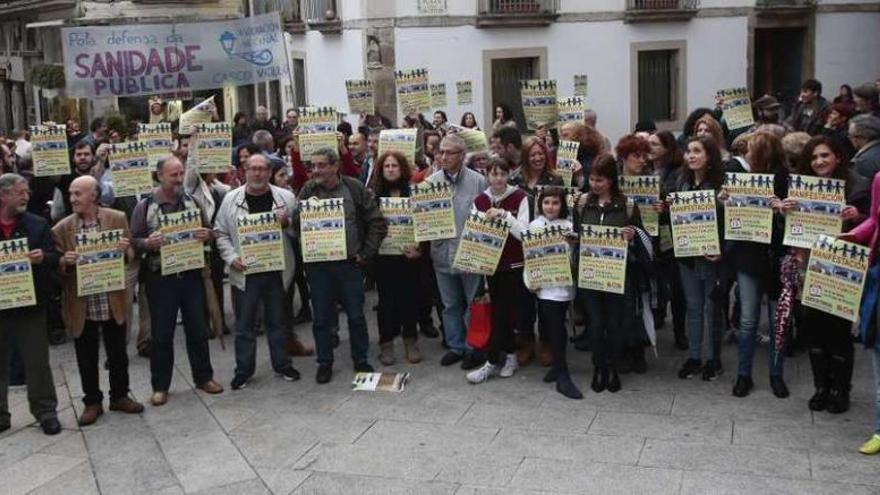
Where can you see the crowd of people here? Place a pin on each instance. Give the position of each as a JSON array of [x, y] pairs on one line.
[[711, 298]]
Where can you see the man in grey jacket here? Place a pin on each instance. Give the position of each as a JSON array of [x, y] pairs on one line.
[[864, 134], [457, 289]]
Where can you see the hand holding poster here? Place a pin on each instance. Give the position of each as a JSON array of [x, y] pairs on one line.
[[644, 190], [835, 277], [130, 169], [49, 152], [482, 242], [438, 95], [262, 248], [737, 108], [213, 147], [571, 109], [602, 259], [16, 275], [317, 126], [182, 251], [402, 140], [539, 102], [398, 216], [819, 203], [566, 156], [547, 257], [748, 215], [199, 114], [100, 265], [464, 92], [361, 97], [433, 216], [413, 91], [322, 225], [157, 138], [694, 223], [580, 85]]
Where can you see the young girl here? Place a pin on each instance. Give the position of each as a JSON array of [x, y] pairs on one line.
[[553, 301], [396, 275], [506, 288]]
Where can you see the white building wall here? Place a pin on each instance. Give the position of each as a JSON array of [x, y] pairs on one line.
[[847, 49]]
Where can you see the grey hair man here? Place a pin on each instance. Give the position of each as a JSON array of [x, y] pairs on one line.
[[864, 134]]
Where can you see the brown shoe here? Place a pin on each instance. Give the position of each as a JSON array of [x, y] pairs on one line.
[[295, 347], [413, 354], [159, 398], [545, 355], [210, 387], [91, 414], [386, 355], [127, 405], [525, 350]]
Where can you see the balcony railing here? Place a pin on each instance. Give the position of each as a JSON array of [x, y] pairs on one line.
[[660, 10], [289, 10], [775, 7], [507, 13]]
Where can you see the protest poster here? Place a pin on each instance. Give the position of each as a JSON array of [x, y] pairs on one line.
[[181, 251], [262, 247], [16, 275], [836, 277], [49, 150], [401, 140], [464, 92], [602, 262], [202, 113], [379, 382], [644, 191], [539, 102], [322, 230], [666, 243], [130, 169], [580, 85], [433, 216], [819, 203], [747, 212], [212, 148], [547, 257], [100, 265], [413, 90], [317, 126], [438, 95], [175, 57], [570, 109], [158, 140], [474, 140], [481, 243], [736, 107], [566, 156], [361, 96], [398, 216], [694, 223]]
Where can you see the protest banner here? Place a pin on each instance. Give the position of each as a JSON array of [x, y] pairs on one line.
[[539, 102], [130, 169], [580, 85], [398, 216], [158, 140], [361, 96], [819, 203], [212, 148], [49, 152], [736, 107], [433, 216], [322, 230], [464, 92], [199, 114], [16, 275], [147, 59], [438, 95], [566, 157], [747, 212], [694, 223], [401, 140], [570, 109], [836, 277], [644, 191], [181, 251], [100, 265], [317, 126], [602, 261], [482, 241], [474, 140], [547, 257], [262, 247], [413, 90]]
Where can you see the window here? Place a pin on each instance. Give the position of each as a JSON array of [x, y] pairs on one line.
[[299, 82], [658, 83]]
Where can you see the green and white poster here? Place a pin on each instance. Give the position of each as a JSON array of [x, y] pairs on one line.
[[747, 212], [836, 277], [644, 191], [602, 261], [694, 223], [819, 203]]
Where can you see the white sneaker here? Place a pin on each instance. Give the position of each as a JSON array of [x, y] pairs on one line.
[[510, 366], [483, 373]]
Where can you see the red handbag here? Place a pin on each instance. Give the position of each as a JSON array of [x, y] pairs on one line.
[[480, 324]]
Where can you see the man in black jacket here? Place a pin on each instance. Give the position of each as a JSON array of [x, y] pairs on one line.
[[808, 114]]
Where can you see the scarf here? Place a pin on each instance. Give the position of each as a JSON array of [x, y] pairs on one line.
[[790, 281]]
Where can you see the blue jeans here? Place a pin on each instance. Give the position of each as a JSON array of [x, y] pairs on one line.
[[457, 290], [698, 282], [751, 291], [877, 385], [266, 288], [184, 292], [331, 283]]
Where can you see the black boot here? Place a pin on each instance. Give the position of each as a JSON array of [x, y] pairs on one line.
[[838, 396], [566, 387], [821, 372], [613, 379], [600, 379]]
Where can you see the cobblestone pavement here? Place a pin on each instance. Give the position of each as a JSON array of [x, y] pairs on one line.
[[658, 435]]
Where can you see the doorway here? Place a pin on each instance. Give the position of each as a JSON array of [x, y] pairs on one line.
[[506, 75], [779, 63]]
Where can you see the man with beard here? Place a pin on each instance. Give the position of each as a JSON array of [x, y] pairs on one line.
[[85, 162]]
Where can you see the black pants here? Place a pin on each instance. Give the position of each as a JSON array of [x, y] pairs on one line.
[[551, 316], [28, 328], [609, 321], [429, 294], [831, 348], [506, 294], [88, 360], [670, 291], [299, 279], [217, 266], [397, 284], [16, 362]]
